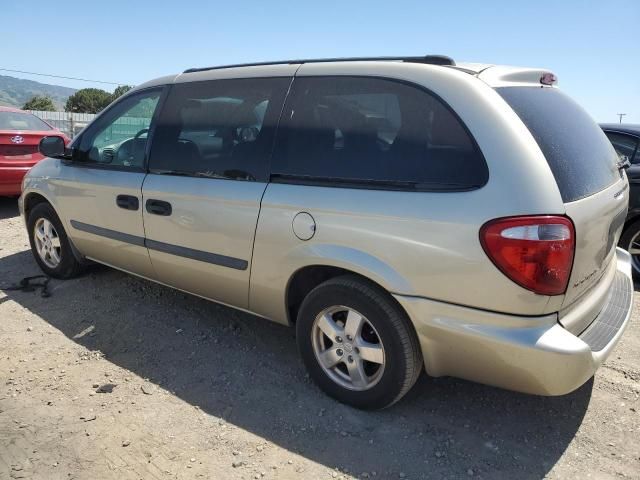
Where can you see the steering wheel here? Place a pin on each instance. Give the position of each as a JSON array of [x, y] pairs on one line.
[[140, 133], [129, 150]]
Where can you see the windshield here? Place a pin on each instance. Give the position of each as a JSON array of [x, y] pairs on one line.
[[581, 158], [21, 121]]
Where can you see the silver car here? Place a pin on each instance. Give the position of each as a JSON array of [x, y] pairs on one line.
[[400, 213]]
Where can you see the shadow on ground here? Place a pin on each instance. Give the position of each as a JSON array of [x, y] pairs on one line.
[[8, 207], [246, 370]]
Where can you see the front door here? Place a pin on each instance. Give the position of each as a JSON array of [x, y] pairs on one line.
[[208, 170], [100, 190]]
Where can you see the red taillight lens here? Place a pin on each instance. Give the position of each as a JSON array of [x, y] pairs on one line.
[[535, 252]]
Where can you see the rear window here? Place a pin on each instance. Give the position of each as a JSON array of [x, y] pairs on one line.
[[21, 121], [363, 132], [581, 158]]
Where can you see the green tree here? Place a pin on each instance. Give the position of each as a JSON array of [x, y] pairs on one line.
[[88, 100], [40, 102], [119, 91]]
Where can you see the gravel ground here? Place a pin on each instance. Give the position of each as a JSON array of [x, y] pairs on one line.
[[116, 377]]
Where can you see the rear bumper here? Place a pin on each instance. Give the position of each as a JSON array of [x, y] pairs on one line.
[[528, 354], [11, 179]]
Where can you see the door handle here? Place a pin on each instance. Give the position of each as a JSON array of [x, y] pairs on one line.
[[128, 202], [158, 207]]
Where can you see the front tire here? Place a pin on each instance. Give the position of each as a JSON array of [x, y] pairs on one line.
[[357, 343], [49, 243]]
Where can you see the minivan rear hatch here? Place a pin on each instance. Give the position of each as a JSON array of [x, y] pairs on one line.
[[586, 170]]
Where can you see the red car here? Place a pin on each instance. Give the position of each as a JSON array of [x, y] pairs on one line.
[[20, 134]]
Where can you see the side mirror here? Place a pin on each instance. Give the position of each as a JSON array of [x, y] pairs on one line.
[[52, 147]]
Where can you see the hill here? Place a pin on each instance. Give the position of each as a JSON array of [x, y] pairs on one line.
[[14, 92]]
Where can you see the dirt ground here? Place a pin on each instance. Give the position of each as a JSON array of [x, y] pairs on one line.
[[116, 377]]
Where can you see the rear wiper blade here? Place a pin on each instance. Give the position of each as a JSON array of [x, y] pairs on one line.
[[624, 163]]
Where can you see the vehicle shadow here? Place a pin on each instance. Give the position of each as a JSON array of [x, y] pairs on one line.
[[8, 207], [246, 370]]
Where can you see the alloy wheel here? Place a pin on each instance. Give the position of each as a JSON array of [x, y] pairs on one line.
[[348, 348], [47, 242]]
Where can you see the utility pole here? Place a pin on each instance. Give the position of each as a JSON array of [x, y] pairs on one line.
[[620, 115]]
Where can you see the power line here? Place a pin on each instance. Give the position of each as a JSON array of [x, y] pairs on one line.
[[60, 76]]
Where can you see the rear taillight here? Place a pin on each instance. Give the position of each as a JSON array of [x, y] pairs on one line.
[[535, 252]]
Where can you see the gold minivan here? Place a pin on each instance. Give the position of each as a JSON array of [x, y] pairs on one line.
[[400, 213]]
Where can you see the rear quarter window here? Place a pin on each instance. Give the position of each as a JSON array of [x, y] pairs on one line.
[[579, 154], [365, 132]]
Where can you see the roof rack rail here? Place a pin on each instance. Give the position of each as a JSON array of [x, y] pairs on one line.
[[428, 59]]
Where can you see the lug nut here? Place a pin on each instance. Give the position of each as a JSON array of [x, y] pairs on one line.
[[356, 349], [350, 359], [339, 339], [339, 352], [349, 337]]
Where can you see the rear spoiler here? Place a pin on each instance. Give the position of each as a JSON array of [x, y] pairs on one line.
[[503, 76]]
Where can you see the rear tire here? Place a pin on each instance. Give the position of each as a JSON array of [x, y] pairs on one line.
[[49, 243], [370, 352], [631, 236]]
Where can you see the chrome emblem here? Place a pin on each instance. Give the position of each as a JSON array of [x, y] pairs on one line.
[[620, 192], [17, 139]]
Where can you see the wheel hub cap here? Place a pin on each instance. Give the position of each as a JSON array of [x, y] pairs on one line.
[[348, 348], [47, 242]]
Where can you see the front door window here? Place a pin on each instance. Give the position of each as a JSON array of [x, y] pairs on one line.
[[118, 138]]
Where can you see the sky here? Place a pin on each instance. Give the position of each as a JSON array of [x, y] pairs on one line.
[[590, 45]]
